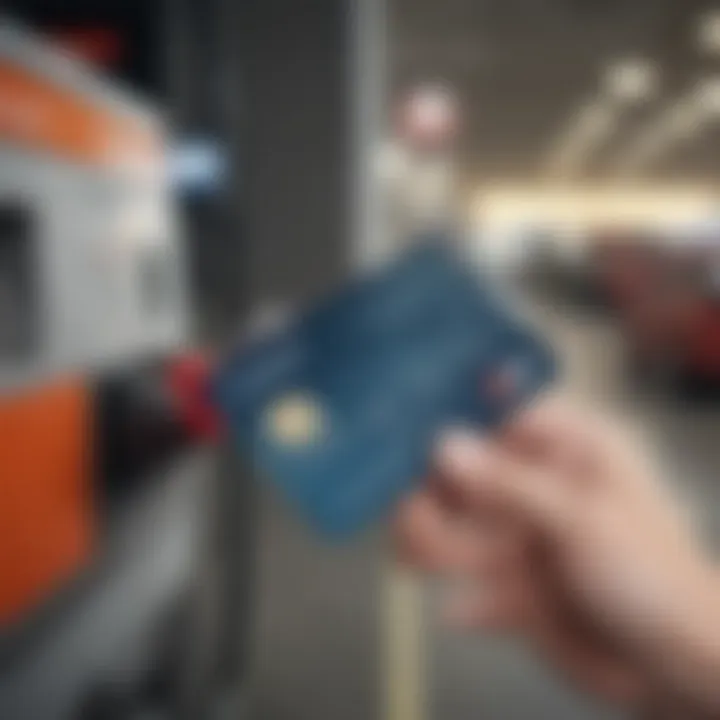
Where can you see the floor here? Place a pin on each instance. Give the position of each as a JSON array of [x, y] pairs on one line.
[[340, 636]]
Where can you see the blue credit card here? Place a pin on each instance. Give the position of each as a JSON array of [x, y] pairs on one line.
[[340, 406]]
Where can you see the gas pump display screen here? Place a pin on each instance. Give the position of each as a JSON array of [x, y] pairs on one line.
[[18, 283]]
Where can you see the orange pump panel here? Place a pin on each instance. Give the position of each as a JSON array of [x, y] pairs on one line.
[[46, 505], [41, 115]]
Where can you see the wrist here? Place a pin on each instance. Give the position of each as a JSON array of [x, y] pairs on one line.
[[662, 706], [689, 656]]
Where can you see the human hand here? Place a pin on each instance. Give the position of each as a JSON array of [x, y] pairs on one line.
[[568, 540]]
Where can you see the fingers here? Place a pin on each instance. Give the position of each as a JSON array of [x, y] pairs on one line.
[[497, 600], [586, 448], [430, 538], [545, 426], [488, 477], [517, 600], [587, 663], [438, 538], [555, 434]]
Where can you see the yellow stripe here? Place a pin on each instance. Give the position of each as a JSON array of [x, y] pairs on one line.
[[403, 647]]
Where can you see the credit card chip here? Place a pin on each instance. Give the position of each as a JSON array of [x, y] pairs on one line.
[[296, 419]]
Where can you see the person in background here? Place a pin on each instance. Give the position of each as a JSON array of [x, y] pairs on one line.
[[570, 542]]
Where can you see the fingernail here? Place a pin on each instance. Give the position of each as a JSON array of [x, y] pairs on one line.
[[461, 453]]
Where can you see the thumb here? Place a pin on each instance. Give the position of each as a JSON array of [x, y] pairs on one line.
[[483, 474]]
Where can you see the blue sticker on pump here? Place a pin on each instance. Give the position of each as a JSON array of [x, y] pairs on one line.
[[341, 406]]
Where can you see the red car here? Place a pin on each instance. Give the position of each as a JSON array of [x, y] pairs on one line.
[[668, 304]]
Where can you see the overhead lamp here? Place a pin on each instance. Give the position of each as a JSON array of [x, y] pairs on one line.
[[707, 96], [676, 124], [593, 122], [709, 33], [639, 155], [589, 127], [632, 80], [596, 120], [684, 119], [679, 122]]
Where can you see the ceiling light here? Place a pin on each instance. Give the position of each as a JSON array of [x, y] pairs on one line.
[[707, 95], [683, 119], [596, 120], [589, 127], [593, 123], [678, 123], [647, 147], [632, 80], [709, 33]]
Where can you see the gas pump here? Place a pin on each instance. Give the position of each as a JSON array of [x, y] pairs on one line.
[[102, 500], [145, 614]]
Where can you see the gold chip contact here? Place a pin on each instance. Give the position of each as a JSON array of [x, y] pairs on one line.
[[296, 419]]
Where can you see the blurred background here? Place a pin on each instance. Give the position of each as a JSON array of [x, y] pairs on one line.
[[170, 170]]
